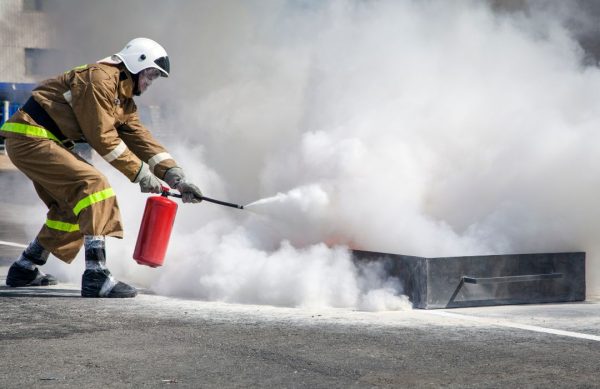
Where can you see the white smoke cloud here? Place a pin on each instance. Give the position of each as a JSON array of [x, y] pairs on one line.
[[423, 128]]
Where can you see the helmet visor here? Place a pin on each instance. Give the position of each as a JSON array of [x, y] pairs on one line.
[[163, 63]]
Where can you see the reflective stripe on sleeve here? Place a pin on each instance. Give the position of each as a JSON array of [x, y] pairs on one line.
[[77, 68], [92, 199], [68, 97], [28, 130], [158, 158], [62, 226], [115, 153]]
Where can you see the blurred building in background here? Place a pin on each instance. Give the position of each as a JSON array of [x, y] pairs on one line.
[[29, 53], [25, 49], [30, 45]]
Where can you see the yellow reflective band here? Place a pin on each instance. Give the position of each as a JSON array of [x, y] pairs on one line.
[[77, 68], [62, 226], [92, 199], [28, 130]]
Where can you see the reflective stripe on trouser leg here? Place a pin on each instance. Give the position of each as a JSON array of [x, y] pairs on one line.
[[66, 184], [63, 231], [98, 214], [62, 244], [60, 234], [92, 199], [62, 226]]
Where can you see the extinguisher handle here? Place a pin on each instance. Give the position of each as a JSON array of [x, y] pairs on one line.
[[165, 192]]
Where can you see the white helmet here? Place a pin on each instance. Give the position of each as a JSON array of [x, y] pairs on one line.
[[140, 54]]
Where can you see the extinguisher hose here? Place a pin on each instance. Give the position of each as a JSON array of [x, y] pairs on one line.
[[167, 193]]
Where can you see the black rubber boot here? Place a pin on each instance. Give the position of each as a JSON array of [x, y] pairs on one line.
[[100, 283], [97, 280], [19, 276]]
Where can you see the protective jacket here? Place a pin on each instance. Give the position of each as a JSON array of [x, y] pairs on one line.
[[93, 103]]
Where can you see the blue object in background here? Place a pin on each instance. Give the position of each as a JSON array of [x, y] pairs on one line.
[[15, 94]]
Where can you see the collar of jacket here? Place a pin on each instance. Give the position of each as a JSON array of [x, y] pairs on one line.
[[125, 82]]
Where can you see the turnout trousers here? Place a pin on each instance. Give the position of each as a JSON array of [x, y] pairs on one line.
[[79, 198]]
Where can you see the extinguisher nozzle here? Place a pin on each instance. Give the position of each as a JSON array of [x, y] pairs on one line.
[[222, 203]]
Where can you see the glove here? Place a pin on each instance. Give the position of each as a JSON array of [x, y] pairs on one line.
[[190, 193], [149, 183]]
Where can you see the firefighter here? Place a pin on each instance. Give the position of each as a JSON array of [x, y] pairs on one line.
[[94, 104]]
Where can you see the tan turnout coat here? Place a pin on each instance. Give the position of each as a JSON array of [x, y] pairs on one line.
[[92, 103]]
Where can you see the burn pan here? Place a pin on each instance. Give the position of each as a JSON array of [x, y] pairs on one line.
[[470, 281]]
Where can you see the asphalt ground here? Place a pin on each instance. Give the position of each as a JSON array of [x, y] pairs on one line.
[[51, 337]]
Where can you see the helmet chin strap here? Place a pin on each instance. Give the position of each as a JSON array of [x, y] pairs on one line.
[[136, 84]]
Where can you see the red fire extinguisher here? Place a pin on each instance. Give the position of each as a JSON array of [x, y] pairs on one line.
[[155, 231], [156, 227]]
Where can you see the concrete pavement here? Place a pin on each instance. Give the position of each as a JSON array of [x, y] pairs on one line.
[[51, 337]]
